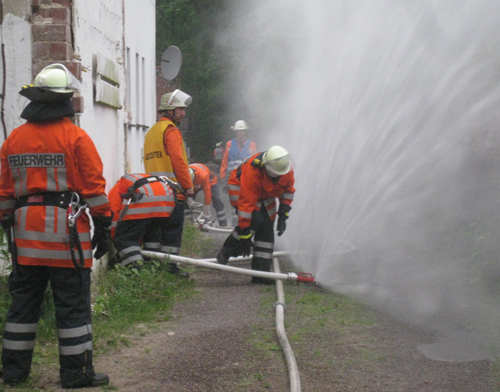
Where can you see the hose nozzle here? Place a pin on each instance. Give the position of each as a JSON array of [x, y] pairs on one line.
[[305, 277], [301, 277]]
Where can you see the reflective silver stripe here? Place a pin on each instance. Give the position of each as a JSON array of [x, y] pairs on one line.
[[46, 237], [165, 174], [20, 328], [18, 345], [244, 214], [258, 204], [287, 195], [50, 254], [130, 259], [75, 350], [149, 210], [234, 187], [74, 332], [128, 250], [19, 174], [170, 249], [234, 197], [272, 211], [154, 199], [221, 214], [114, 224], [97, 201], [51, 180], [266, 245], [62, 179], [263, 255], [62, 222], [151, 245], [233, 165], [7, 204]]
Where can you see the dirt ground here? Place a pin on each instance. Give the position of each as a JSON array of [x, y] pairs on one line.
[[207, 347]]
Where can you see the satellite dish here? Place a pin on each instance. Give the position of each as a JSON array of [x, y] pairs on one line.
[[171, 62]]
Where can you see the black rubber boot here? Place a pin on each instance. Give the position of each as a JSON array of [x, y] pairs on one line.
[[223, 255], [223, 223], [175, 270], [86, 380]]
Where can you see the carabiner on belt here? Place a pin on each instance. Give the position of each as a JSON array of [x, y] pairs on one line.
[[75, 209]]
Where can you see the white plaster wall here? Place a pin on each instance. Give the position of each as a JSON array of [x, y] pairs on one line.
[[140, 31], [15, 34], [98, 27], [124, 31]]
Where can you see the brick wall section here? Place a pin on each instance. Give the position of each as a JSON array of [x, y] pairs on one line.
[[52, 39]]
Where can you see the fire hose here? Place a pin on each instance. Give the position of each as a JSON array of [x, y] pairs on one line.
[[212, 263], [293, 372]]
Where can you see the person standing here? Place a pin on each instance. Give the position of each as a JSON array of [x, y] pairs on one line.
[[165, 155], [140, 203], [50, 172], [204, 179], [237, 149], [254, 187], [218, 155]]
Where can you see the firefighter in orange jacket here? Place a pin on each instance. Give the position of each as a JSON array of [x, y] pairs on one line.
[[139, 202], [254, 187], [50, 173], [204, 179], [165, 155]]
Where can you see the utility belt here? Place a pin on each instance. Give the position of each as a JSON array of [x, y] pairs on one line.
[[53, 199]]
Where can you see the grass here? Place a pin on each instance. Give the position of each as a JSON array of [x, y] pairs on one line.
[[125, 302]]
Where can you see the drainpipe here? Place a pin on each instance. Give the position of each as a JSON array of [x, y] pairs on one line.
[[293, 371]]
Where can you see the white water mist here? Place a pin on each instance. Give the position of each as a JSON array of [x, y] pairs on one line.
[[390, 109]]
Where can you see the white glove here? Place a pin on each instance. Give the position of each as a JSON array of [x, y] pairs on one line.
[[190, 202], [207, 211]]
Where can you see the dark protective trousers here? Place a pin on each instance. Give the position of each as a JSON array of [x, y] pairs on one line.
[[171, 230], [71, 292], [129, 233], [263, 241], [218, 205]]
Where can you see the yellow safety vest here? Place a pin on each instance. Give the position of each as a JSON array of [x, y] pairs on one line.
[[156, 161]]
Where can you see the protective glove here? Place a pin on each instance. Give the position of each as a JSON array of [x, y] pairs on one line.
[[281, 226], [207, 212], [7, 222], [102, 231], [190, 203], [245, 238], [282, 217], [225, 188]]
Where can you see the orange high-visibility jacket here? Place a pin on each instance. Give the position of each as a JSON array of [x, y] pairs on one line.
[[229, 164], [250, 187], [51, 157], [157, 199], [204, 179]]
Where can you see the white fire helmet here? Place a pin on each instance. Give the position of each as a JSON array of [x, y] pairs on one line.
[[277, 161], [53, 83], [240, 125], [176, 99]]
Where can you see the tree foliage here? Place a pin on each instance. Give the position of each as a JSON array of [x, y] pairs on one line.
[[191, 25]]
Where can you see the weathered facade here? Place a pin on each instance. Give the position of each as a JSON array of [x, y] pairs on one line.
[[109, 45]]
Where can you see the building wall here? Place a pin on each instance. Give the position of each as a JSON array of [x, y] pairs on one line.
[[15, 61], [35, 33], [140, 99]]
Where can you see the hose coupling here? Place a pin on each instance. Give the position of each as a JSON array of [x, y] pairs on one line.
[[305, 277]]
